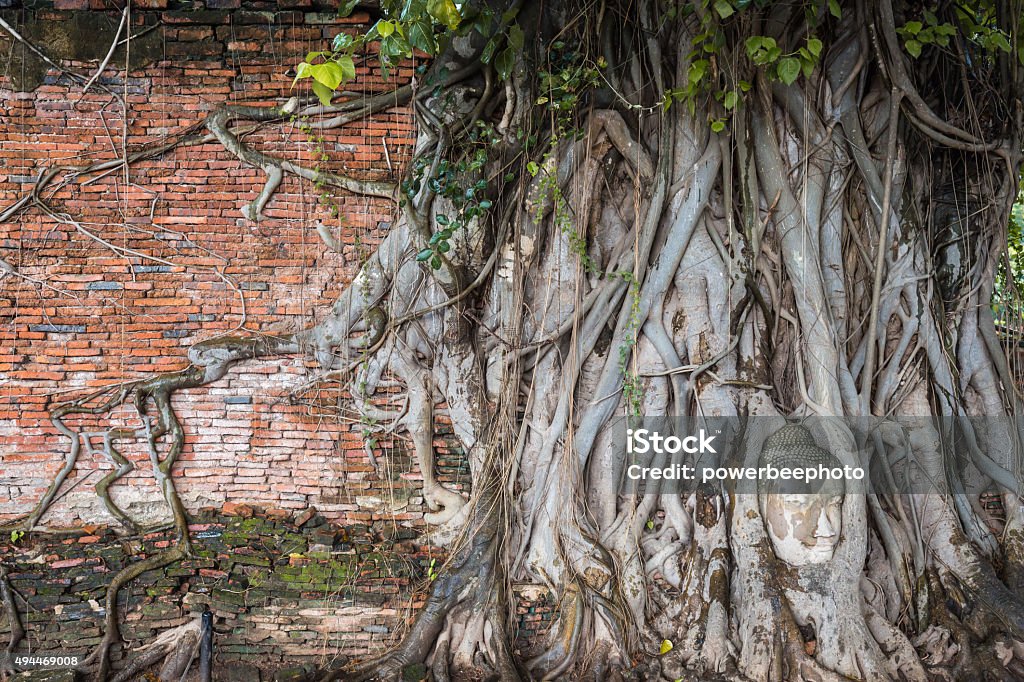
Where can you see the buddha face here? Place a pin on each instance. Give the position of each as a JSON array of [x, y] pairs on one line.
[[803, 528]]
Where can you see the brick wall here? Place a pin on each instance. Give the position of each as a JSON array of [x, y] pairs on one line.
[[79, 316], [286, 594], [83, 316]]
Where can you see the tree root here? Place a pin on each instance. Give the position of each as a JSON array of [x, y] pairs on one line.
[[13, 621]]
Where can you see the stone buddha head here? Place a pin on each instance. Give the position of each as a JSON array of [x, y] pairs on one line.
[[803, 518]]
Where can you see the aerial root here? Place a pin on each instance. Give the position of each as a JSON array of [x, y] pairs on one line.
[[254, 211], [177, 645], [100, 657], [14, 622]]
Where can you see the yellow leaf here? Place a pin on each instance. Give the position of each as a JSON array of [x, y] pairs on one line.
[[666, 646]]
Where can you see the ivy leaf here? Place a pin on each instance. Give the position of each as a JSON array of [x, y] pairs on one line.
[[834, 10], [445, 12], [717, 126], [914, 48], [731, 99], [912, 27], [424, 255], [789, 69], [435, 262], [385, 28], [753, 44], [504, 62], [666, 646], [323, 92], [814, 46]]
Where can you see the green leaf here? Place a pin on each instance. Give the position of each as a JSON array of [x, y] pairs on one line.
[[717, 126], [724, 8], [697, 71], [532, 168], [914, 48], [488, 52], [444, 247], [385, 28], [348, 68], [421, 36], [999, 41], [323, 92], [731, 98], [666, 646], [441, 219], [485, 204], [789, 69], [341, 42], [754, 44], [515, 36], [330, 74], [424, 255], [311, 57], [346, 7], [814, 45], [834, 10], [483, 22], [444, 12], [912, 27], [301, 71], [504, 62], [435, 262]]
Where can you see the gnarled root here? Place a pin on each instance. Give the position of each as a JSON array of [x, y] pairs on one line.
[[178, 645]]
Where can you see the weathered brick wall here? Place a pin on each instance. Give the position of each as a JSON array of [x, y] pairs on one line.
[[286, 593], [80, 315], [84, 316]]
